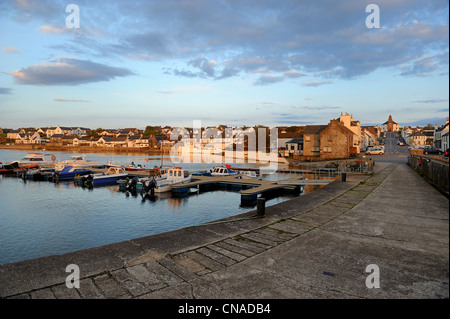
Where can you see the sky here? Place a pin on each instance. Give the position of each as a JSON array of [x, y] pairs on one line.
[[229, 62]]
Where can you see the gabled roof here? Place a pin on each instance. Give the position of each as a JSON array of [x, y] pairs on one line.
[[298, 140], [314, 129]]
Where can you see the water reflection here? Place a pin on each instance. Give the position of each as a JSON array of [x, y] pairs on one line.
[[40, 218]]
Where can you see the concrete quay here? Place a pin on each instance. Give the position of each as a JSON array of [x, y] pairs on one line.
[[316, 246]]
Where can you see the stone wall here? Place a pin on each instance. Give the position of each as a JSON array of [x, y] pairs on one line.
[[434, 170]]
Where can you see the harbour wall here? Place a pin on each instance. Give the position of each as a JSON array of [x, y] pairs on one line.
[[433, 170]]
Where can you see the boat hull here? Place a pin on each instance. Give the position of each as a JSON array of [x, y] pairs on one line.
[[107, 179]]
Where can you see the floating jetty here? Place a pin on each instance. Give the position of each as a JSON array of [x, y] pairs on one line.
[[250, 188]]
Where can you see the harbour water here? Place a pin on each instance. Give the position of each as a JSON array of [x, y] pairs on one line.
[[40, 218]]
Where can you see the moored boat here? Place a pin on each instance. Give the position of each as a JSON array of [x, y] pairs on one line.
[[249, 175], [69, 173], [223, 171], [175, 175], [133, 167], [78, 161], [111, 176], [14, 167], [37, 174], [36, 159]]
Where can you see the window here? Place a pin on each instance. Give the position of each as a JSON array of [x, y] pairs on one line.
[[307, 138], [316, 149], [292, 147]]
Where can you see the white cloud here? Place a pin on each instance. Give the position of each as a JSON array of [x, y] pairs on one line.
[[10, 49]]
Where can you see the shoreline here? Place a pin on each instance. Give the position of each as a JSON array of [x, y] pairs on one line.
[[119, 151]]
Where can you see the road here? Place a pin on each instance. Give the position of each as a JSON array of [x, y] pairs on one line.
[[393, 153]]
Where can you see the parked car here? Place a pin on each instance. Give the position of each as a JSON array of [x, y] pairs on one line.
[[431, 150], [375, 151]]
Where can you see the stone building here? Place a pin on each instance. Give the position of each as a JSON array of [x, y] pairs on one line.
[[311, 141], [337, 141], [390, 125]]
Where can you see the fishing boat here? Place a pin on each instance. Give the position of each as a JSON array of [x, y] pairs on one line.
[[175, 175], [138, 184], [78, 161], [111, 176], [36, 158], [223, 171], [69, 173]]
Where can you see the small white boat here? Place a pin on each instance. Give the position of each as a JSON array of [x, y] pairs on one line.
[[36, 158], [113, 164], [78, 161], [249, 175], [175, 175], [223, 171]]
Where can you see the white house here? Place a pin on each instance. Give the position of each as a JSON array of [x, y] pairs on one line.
[[438, 133], [29, 139]]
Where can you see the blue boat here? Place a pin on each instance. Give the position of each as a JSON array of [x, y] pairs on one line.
[[111, 176], [69, 173]]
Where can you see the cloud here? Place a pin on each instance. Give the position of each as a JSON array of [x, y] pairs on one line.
[[285, 40], [5, 90], [51, 29], [68, 100], [319, 107], [268, 79], [316, 83], [68, 72], [184, 89], [426, 65], [432, 101], [10, 49]]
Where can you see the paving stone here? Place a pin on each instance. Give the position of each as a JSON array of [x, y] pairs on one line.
[[177, 269], [235, 248], [243, 243], [341, 206], [313, 218], [109, 287], [230, 254], [253, 236], [216, 256], [291, 226], [88, 290], [129, 282], [143, 275], [45, 293], [326, 215], [206, 261], [62, 292], [282, 236], [189, 263], [252, 245], [163, 274]]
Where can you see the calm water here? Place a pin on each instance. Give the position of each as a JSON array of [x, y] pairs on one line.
[[42, 218]]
